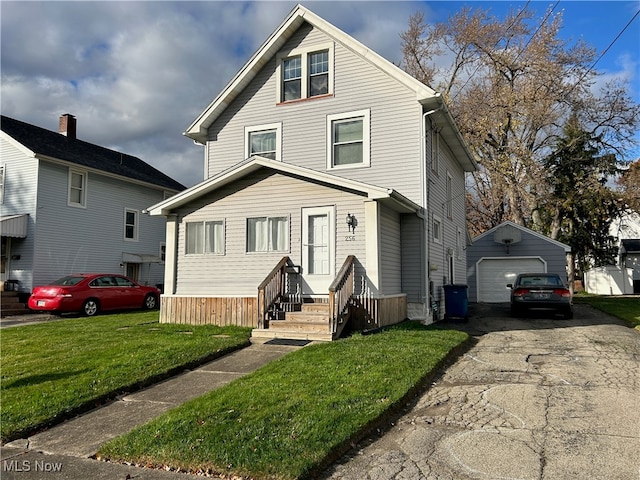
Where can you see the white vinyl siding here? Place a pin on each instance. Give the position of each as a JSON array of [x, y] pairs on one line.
[[2, 170], [395, 120], [239, 272], [390, 252]]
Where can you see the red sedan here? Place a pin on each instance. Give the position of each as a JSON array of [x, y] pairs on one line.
[[91, 293]]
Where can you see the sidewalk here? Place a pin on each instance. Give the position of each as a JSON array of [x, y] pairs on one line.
[[64, 451]]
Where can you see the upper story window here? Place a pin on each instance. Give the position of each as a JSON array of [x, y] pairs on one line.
[[77, 196], [205, 238], [305, 73], [131, 225], [319, 73], [264, 140], [348, 140]]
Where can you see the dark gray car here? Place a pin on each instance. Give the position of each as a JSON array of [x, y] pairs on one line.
[[544, 291]]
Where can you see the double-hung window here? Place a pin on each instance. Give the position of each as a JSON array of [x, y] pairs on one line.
[[264, 140], [437, 229], [267, 234], [131, 224], [292, 78], [305, 73], [348, 140], [205, 238], [77, 194]]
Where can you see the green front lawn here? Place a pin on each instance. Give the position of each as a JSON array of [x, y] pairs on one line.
[[626, 308], [289, 418], [52, 370]]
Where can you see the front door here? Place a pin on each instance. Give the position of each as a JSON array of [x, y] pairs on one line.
[[318, 249]]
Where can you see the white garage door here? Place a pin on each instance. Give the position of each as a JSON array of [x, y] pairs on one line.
[[495, 273]]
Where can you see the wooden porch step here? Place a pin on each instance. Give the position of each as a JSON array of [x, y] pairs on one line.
[[305, 316], [316, 307], [300, 325], [291, 334]]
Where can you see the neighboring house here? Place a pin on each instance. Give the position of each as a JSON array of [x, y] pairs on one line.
[[71, 206], [624, 277], [335, 185], [498, 255]]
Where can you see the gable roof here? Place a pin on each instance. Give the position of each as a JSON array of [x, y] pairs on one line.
[[566, 247], [48, 145], [388, 196], [432, 102]]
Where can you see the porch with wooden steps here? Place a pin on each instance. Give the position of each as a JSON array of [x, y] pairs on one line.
[[298, 321]]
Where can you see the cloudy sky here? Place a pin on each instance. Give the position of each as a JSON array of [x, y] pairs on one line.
[[136, 74]]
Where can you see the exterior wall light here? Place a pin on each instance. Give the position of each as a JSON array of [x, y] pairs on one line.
[[352, 222]]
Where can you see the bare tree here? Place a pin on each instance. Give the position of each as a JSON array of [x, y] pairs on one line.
[[511, 84]]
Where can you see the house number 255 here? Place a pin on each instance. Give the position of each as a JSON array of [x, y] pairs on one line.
[[350, 238]]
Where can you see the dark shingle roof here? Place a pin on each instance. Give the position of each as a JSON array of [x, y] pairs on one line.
[[55, 145]]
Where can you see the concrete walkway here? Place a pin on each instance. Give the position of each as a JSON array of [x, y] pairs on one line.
[[63, 451]]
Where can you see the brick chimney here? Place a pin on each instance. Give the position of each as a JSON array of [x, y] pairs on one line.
[[67, 125]]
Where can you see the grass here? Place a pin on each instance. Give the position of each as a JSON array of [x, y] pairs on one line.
[[623, 307], [53, 370], [290, 418]]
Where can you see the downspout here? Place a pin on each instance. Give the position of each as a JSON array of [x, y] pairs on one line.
[[426, 164]]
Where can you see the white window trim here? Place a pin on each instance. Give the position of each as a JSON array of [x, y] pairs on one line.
[[437, 239], [366, 138], [304, 60], [259, 128], [204, 235], [449, 194], [85, 185], [136, 225], [287, 246]]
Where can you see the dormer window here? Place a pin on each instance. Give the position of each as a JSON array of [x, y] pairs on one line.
[[305, 73]]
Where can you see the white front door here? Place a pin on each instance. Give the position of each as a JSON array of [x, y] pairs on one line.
[[318, 249]]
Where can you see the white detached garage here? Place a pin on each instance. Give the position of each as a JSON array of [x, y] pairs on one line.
[[498, 255]]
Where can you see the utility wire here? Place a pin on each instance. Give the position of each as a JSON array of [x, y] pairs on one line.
[[611, 44]]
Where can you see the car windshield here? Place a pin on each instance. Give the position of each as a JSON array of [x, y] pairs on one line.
[[68, 280], [541, 280]]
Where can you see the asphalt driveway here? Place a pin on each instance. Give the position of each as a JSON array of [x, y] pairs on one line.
[[535, 398]]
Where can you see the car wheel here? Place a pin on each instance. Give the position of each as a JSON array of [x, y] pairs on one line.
[[516, 311], [90, 307], [150, 302], [568, 314]]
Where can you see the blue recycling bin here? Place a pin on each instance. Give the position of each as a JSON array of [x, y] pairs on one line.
[[456, 302]]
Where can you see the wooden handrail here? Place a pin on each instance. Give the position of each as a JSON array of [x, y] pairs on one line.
[[272, 288], [340, 291]]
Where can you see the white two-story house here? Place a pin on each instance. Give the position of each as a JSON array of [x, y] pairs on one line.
[[69, 206], [334, 194]]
